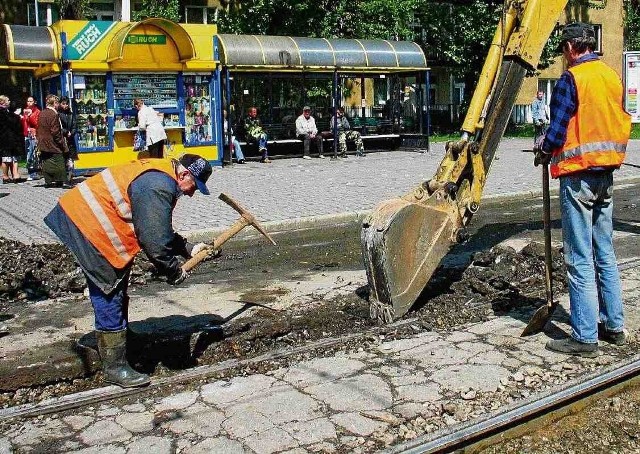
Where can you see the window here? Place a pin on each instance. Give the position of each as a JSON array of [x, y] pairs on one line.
[[598, 30], [200, 15], [101, 10]]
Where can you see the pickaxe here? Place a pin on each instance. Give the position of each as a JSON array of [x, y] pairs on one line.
[[246, 218]]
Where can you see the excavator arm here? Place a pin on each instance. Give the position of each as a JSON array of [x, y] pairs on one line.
[[405, 238]]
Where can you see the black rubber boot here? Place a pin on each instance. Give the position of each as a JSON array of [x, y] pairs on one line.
[[112, 346]]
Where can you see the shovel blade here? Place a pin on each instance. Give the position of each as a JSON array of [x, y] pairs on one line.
[[538, 321]]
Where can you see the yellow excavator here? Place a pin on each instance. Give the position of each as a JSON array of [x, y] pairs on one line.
[[405, 238]]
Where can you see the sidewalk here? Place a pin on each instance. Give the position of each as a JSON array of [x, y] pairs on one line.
[[294, 188]]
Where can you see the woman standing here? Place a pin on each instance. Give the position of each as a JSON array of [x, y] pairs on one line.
[[12, 141], [151, 121], [69, 129]]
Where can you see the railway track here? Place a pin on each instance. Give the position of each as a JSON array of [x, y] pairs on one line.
[[527, 416]]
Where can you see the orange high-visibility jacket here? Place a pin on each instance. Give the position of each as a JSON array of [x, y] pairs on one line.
[[101, 209], [598, 133]]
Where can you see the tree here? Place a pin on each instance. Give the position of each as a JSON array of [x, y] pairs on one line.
[[167, 9], [73, 9], [632, 24]]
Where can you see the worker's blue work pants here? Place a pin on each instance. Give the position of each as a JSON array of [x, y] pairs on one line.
[[111, 310], [592, 271]]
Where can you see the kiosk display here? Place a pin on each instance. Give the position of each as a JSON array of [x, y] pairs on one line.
[[198, 109], [90, 95]]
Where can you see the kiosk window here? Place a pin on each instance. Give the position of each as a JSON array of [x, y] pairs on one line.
[[90, 95], [198, 110]]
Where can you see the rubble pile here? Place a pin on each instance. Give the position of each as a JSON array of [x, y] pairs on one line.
[[499, 279]]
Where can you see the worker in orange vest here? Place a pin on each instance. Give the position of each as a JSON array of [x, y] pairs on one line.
[[106, 220], [585, 142]]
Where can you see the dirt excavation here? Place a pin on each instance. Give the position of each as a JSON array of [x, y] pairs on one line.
[[491, 282]]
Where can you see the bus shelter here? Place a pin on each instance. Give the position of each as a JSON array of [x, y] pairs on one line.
[[102, 66], [383, 85]]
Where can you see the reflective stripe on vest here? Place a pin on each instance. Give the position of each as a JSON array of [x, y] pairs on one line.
[[101, 209], [599, 130]]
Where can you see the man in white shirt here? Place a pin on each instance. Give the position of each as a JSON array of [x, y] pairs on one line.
[[307, 131], [150, 121]]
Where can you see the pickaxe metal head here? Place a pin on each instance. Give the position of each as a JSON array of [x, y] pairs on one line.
[[248, 217]]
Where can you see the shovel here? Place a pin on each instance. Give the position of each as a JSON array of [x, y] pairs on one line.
[[544, 313]]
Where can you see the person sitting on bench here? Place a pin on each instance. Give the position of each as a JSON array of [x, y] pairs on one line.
[[346, 133], [307, 131]]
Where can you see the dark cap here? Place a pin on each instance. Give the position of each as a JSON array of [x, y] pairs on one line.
[[306, 108], [576, 30], [199, 168]]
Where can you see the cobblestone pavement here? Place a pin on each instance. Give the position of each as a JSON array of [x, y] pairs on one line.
[[382, 392], [294, 188]]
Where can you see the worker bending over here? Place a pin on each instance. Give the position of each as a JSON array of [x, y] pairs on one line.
[[106, 220]]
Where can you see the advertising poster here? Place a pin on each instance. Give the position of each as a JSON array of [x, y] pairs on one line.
[[632, 84]]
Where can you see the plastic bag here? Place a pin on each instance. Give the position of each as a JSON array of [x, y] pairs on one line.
[[139, 141]]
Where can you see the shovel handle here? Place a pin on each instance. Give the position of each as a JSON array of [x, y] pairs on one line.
[[217, 242], [546, 219]]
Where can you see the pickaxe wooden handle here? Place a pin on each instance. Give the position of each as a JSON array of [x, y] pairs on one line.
[[246, 219]]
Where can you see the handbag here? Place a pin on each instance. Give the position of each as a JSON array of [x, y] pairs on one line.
[[139, 140]]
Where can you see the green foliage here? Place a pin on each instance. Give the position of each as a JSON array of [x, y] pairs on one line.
[[635, 131], [73, 9], [167, 9], [632, 24]]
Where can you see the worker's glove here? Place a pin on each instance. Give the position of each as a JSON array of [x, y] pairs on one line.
[[212, 253], [541, 157], [180, 277]]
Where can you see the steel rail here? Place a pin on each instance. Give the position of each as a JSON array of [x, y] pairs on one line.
[[468, 435]]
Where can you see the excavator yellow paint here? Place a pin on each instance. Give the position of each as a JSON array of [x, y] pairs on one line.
[[404, 239]]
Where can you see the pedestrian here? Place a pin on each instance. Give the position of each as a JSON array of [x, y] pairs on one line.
[[52, 145], [69, 130], [30, 116], [307, 131], [346, 133], [106, 220], [585, 142], [254, 132], [12, 141], [235, 145], [540, 114], [150, 121]]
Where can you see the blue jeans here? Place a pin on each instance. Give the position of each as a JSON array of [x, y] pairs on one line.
[[111, 310], [30, 143], [237, 150], [592, 271]]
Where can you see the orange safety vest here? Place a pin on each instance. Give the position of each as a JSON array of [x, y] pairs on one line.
[[101, 209], [598, 133]]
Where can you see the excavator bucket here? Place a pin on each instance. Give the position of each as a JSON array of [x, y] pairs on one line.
[[402, 247]]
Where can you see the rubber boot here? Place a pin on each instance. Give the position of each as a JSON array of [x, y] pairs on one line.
[[112, 346]]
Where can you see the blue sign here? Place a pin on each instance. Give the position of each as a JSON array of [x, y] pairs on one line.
[[87, 39]]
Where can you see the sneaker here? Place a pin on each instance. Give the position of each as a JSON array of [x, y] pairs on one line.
[[612, 337], [306, 157], [29, 178], [570, 346], [265, 161], [241, 161], [320, 156]]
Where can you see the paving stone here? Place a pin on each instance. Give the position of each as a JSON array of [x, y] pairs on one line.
[[474, 347], [106, 411], [437, 354], [148, 445], [357, 424], [500, 325], [134, 408], [199, 419], [35, 432], [103, 432], [321, 370], [177, 402], [223, 393], [77, 422], [461, 336], [242, 424], [488, 357], [314, 431], [104, 449], [270, 441], [280, 407], [364, 392], [404, 377], [428, 392], [5, 446], [136, 422], [407, 344], [462, 377]]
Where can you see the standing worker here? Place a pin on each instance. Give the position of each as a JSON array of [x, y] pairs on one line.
[[150, 121], [52, 144], [540, 114], [586, 141], [106, 220]]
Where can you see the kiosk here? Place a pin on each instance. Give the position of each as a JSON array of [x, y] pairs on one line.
[[103, 66]]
